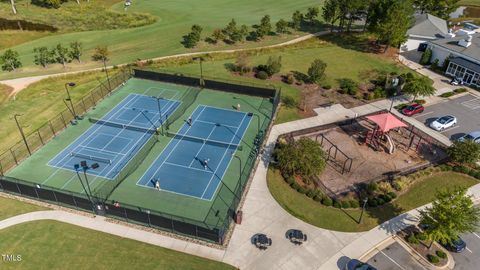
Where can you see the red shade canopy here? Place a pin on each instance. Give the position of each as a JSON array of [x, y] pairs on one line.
[[386, 121]]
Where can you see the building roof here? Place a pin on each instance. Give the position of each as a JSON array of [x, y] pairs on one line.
[[465, 63], [428, 25], [472, 51]]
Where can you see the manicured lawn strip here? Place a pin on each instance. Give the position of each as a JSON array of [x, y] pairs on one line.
[[331, 218], [4, 93], [56, 245], [11, 207], [163, 37], [40, 102]]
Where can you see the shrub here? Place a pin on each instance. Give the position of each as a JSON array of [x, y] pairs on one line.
[[311, 193], [349, 86], [345, 204], [458, 91], [441, 254], [289, 78], [354, 204], [392, 195], [318, 198], [372, 187], [289, 102], [380, 201], [295, 185], [432, 258], [421, 236], [327, 201], [336, 204], [412, 239], [262, 75], [372, 202], [447, 94]]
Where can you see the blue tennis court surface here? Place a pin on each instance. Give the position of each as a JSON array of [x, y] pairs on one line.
[[197, 157], [115, 139]]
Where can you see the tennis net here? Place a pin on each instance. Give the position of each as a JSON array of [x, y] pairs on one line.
[[98, 159], [203, 140], [123, 126]]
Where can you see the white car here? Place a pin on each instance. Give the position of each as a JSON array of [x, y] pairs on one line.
[[444, 122], [474, 136]]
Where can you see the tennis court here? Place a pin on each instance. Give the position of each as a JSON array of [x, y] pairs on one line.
[[116, 138], [197, 157]]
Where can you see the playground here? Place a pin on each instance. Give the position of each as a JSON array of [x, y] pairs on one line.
[[371, 148]]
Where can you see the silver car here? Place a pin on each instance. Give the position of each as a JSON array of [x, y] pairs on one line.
[[444, 122]]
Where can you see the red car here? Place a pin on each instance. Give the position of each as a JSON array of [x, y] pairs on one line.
[[413, 109]]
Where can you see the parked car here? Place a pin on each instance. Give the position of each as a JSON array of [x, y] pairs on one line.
[[355, 264], [444, 122], [413, 109], [456, 81], [457, 245], [474, 136]]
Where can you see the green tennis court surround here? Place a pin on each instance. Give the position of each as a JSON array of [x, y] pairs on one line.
[[179, 205]]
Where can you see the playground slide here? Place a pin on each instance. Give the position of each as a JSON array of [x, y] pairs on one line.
[[391, 149]]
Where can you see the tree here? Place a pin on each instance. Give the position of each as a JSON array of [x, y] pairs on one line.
[[316, 71], [43, 56], [218, 35], [76, 51], [466, 151], [281, 26], [61, 55], [303, 157], [451, 214], [9, 60], [311, 15], [393, 20], [297, 19], [265, 27], [191, 39], [330, 13], [439, 8], [421, 86]]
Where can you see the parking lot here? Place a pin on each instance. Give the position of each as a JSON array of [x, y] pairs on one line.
[[469, 258], [394, 257], [465, 108]]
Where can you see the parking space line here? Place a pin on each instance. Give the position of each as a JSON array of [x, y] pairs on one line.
[[399, 266], [449, 129], [423, 114]]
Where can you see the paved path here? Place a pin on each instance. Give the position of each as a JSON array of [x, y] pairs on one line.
[[19, 84]]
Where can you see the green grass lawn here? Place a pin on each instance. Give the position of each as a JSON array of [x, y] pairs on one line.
[[174, 19], [10, 207], [40, 102], [299, 205], [56, 245]]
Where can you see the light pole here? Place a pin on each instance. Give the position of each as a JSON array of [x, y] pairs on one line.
[[69, 98], [200, 60], [21, 133], [363, 210], [159, 111]]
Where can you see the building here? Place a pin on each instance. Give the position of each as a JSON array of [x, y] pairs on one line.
[[426, 28], [463, 53]]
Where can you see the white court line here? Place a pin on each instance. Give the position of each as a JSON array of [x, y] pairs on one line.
[[223, 157], [449, 129], [399, 266], [171, 151]]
